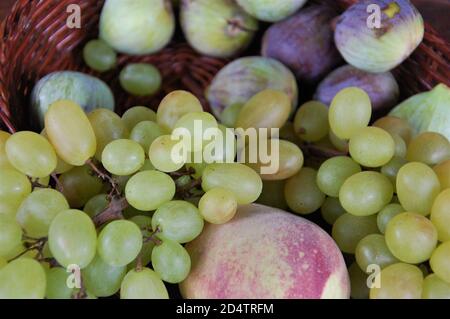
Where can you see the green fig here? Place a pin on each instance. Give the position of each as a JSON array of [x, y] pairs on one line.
[[427, 112], [137, 27], [218, 28]]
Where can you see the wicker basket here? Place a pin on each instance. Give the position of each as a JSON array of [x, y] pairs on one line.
[[34, 41]]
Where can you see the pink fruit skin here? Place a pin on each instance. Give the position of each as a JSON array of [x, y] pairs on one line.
[[265, 253]]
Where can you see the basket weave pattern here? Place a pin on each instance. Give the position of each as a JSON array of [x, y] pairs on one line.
[[35, 41]]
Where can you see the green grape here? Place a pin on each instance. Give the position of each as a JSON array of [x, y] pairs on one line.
[[4, 162], [178, 220], [148, 166], [123, 157], [273, 195], [244, 182], [417, 187], [218, 206], [439, 261], [191, 129], [148, 190], [130, 212], [72, 238], [57, 287], [70, 132], [96, 205], [390, 170], [400, 146], [230, 114], [61, 166], [340, 144], [386, 214], [140, 79], [108, 126], [10, 235], [174, 106], [22, 279], [14, 187], [396, 126], [372, 250], [366, 193], [358, 282], [79, 185], [267, 109], [119, 243], [442, 171], [440, 215], [102, 279], [349, 112], [411, 237], [198, 168], [145, 256], [145, 133], [136, 115], [162, 154], [143, 284], [301, 192], [222, 148], [31, 154], [286, 156], [399, 281], [37, 211], [331, 210], [435, 288], [333, 173], [3, 262], [171, 262], [287, 132], [348, 230], [99, 56], [311, 121], [372, 147], [430, 148]]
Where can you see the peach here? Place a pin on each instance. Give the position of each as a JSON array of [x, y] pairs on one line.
[[265, 253]]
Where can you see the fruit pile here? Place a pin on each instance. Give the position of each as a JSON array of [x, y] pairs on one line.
[[110, 173], [97, 204]]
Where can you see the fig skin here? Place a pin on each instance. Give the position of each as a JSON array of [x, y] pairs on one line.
[[271, 10], [243, 78], [382, 88], [374, 49], [304, 43], [218, 28]]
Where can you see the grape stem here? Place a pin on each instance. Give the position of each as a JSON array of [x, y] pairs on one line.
[[105, 177], [59, 185], [152, 237], [81, 294], [36, 244], [320, 151], [112, 212], [185, 191], [183, 172], [36, 184]]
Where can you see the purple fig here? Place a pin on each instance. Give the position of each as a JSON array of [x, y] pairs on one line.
[[304, 43], [241, 79], [382, 88], [378, 35]]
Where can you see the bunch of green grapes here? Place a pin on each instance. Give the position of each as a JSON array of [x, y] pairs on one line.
[[108, 202], [387, 197]]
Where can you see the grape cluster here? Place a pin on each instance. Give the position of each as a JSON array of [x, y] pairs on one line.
[[103, 194], [384, 190]]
